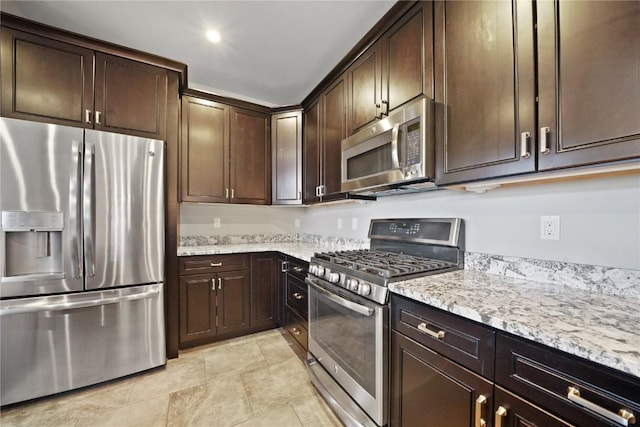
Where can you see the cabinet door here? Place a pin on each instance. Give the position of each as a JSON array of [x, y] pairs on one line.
[[589, 85], [197, 308], [334, 126], [250, 157], [233, 301], [130, 97], [511, 411], [311, 150], [205, 151], [264, 290], [408, 58], [428, 390], [365, 87], [286, 151], [485, 89], [45, 80]]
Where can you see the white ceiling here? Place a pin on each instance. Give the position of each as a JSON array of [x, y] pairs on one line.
[[272, 52]]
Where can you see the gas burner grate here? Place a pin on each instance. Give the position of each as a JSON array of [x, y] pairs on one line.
[[383, 264]]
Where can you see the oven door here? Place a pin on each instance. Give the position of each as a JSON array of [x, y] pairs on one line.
[[348, 336]]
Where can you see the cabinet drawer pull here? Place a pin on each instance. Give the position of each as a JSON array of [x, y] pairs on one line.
[[422, 327], [544, 132], [524, 145], [296, 331], [623, 417], [216, 264], [500, 414], [298, 269], [298, 296], [480, 402], [285, 266]]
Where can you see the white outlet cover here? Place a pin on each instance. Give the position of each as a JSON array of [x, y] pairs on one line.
[[354, 223], [339, 223], [216, 222], [296, 223], [550, 227]]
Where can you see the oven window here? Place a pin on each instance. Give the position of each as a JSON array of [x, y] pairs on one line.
[[370, 162], [348, 337]]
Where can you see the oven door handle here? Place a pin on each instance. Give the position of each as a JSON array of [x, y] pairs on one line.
[[353, 306]]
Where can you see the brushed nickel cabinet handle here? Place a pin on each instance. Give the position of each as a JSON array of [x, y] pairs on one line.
[[524, 145], [422, 327], [98, 117], [298, 296], [87, 116], [296, 331], [213, 284], [233, 193], [544, 132], [226, 193], [216, 264], [624, 417], [500, 414], [480, 402], [219, 283]]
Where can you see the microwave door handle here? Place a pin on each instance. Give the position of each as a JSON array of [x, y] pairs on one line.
[[395, 155]]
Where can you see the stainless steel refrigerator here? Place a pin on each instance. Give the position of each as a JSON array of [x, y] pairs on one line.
[[81, 257]]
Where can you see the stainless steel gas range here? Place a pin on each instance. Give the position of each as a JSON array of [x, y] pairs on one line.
[[348, 358]]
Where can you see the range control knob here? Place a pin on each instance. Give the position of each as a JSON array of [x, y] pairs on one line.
[[364, 289], [352, 284], [334, 277], [312, 269], [319, 271]]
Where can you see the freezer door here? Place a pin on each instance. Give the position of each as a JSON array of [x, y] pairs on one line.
[[62, 342], [123, 210], [40, 233]]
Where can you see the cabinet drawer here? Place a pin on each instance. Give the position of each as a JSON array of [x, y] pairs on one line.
[[297, 268], [545, 376], [297, 296], [200, 264], [296, 327], [461, 340]]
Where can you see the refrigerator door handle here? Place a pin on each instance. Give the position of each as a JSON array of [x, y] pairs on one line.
[[75, 193], [40, 307], [88, 200]]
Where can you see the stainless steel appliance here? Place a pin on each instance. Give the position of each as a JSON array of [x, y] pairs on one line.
[[349, 309], [81, 257], [394, 152]]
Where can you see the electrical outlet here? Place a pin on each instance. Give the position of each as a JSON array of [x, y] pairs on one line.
[[339, 223], [216, 222], [550, 227], [296, 223], [354, 223]]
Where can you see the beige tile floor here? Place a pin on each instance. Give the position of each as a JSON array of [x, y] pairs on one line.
[[257, 380]]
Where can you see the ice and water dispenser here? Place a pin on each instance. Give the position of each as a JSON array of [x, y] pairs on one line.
[[32, 246]]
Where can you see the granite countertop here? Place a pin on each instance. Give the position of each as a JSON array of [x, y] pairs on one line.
[[601, 328], [300, 250]]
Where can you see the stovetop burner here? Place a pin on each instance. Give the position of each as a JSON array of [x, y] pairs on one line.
[[383, 264]]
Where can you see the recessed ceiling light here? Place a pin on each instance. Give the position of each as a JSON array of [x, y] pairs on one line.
[[213, 36]]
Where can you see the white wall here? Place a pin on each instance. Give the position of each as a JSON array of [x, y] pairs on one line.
[[599, 219]]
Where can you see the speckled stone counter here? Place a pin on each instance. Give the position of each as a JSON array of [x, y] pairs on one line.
[[303, 251], [601, 328]]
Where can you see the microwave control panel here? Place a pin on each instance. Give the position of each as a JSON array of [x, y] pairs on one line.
[[413, 148]]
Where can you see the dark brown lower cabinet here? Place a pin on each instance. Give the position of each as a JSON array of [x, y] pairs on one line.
[[429, 390], [512, 411], [264, 291], [214, 305]]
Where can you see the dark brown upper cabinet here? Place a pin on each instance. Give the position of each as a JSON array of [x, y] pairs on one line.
[[286, 158], [225, 153], [50, 81], [394, 70], [205, 151], [325, 127], [250, 157], [589, 85], [486, 56]]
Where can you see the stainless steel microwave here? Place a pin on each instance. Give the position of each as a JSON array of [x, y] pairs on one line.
[[392, 152]]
